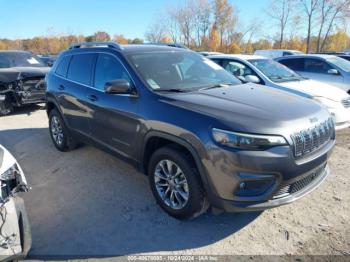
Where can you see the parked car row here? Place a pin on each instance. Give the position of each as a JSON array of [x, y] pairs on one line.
[[201, 136], [263, 71]]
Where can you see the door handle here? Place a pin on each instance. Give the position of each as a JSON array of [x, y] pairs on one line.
[[61, 87], [92, 98]]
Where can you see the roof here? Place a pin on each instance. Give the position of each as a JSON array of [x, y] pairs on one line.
[[124, 48], [242, 57], [282, 50], [323, 56]]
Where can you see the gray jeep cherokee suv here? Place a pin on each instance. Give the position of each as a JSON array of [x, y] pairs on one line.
[[201, 136]]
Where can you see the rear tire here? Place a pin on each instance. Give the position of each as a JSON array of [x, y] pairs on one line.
[[60, 134], [175, 184]]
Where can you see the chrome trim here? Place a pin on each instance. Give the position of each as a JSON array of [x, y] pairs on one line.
[[309, 140], [346, 102]]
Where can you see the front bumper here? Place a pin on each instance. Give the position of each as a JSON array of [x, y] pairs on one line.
[[17, 224], [235, 206], [293, 178], [341, 117]]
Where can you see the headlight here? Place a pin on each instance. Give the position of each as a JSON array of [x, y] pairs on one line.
[[327, 102], [10, 174], [247, 141]]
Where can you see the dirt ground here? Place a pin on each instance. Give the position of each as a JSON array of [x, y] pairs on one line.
[[87, 203]]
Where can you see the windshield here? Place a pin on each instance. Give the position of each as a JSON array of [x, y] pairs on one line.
[[19, 59], [276, 72], [340, 62], [181, 71]]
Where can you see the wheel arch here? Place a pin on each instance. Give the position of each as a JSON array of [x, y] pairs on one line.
[[156, 139]]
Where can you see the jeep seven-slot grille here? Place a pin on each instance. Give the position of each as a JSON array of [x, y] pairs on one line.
[[299, 185], [346, 102], [308, 141]]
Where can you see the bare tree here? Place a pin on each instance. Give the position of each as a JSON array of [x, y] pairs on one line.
[[310, 8], [331, 12], [280, 11], [202, 19], [156, 32]]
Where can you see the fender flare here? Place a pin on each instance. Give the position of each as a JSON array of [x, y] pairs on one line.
[[182, 142], [56, 104]]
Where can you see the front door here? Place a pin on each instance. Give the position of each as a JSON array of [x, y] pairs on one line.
[[114, 121]]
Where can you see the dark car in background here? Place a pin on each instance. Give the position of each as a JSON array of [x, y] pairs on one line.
[[49, 60], [338, 54], [22, 80], [201, 136]]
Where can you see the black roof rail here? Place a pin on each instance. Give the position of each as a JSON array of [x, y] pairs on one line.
[[96, 44]]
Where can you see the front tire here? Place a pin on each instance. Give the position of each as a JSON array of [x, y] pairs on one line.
[[175, 184], [6, 107], [59, 132]]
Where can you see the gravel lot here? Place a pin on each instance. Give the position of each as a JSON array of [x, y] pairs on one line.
[[87, 203]]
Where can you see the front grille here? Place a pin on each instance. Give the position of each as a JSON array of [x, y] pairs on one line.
[[308, 141], [298, 185], [346, 102]]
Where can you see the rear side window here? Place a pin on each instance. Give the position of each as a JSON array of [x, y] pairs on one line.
[[316, 66], [108, 68], [63, 66], [296, 64], [80, 68]]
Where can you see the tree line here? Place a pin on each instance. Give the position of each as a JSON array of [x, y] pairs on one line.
[[55, 44], [216, 25]]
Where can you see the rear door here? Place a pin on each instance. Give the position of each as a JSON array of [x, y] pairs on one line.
[[73, 89], [114, 121]]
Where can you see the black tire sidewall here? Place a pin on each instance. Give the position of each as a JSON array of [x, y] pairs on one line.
[[196, 196], [64, 146]]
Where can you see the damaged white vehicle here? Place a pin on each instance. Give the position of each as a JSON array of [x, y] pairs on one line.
[[15, 235]]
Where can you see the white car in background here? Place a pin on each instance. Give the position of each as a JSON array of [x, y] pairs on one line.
[[324, 68], [15, 235], [274, 53], [260, 70]]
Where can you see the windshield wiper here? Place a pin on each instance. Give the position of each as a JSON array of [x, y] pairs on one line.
[[214, 86], [171, 90]]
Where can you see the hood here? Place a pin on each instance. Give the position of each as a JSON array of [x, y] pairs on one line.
[[254, 108], [316, 88], [8, 75]]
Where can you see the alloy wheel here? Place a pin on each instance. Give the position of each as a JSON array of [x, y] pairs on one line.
[[171, 184], [57, 130]]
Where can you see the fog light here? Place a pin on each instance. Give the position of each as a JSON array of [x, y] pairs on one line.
[[253, 185]]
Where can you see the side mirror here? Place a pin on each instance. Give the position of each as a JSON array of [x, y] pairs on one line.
[[252, 79], [50, 63], [333, 72], [119, 86]]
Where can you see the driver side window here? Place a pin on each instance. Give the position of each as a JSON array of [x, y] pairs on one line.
[[108, 68], [239, 70]]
